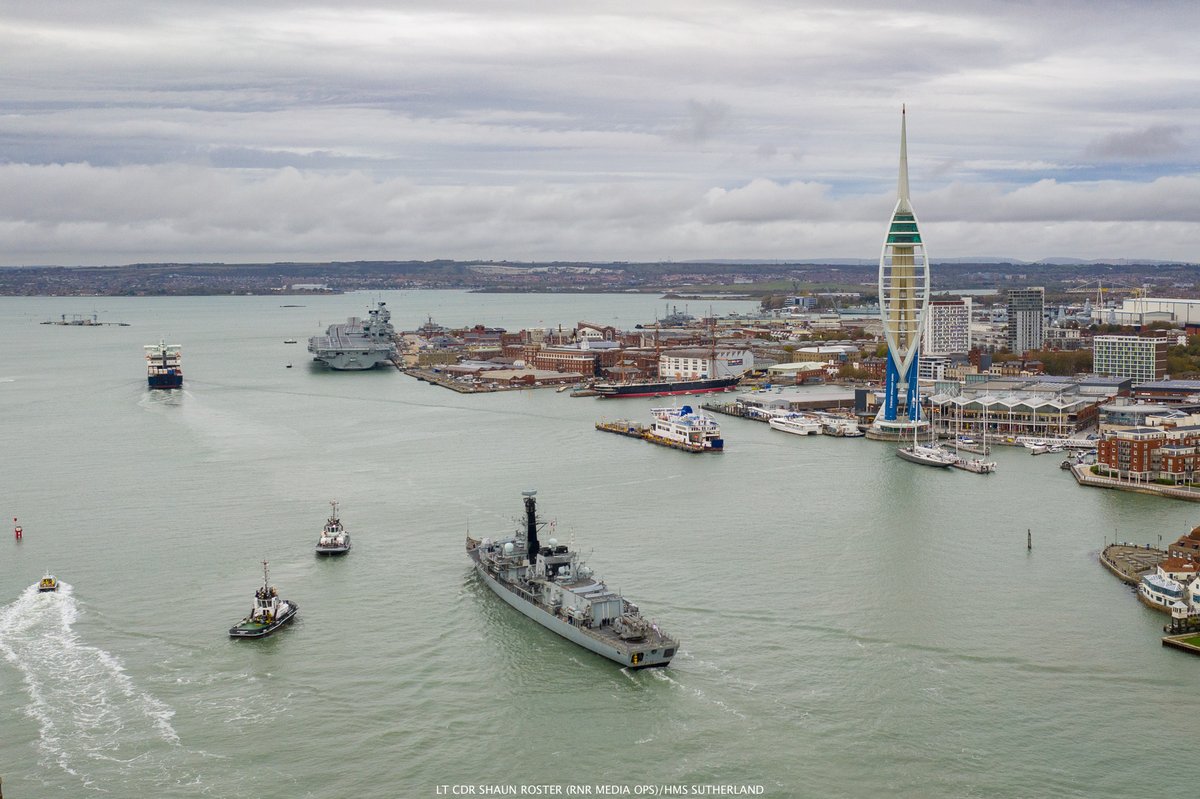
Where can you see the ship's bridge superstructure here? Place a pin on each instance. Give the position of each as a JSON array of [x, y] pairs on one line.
[[903, 296]]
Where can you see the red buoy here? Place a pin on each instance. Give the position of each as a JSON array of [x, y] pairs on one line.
[[16, 529]]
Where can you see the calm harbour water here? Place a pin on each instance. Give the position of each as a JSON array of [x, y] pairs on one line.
[[852, 624]]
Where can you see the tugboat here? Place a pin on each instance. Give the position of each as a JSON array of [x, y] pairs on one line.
[[268, 614], [334, 539], [47, 583], [552, 586]]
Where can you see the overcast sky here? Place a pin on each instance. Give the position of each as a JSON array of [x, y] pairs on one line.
[[277, 130]]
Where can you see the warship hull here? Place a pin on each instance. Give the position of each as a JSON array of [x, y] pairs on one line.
[[663, 388], [353, 362], [628, 654]]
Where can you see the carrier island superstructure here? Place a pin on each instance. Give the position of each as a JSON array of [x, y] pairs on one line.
[[552, 586], [356, 344]]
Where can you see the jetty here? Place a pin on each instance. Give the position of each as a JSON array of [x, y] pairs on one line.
[[82, 320], [1128, 562]]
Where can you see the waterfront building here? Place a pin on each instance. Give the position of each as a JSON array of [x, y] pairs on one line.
[[1182, 570], [1187, 545], [1007, 416], [696, 363], [1173, 584], [1125, 414], [947, 327], [1140, 311], [903, 295], [1142, 358], [1026, 319], [1160, 592], [1171, 392], [1151, 453], [1047, 407], [564, 359]]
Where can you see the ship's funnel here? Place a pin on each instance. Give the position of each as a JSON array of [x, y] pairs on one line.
[[531, 540]]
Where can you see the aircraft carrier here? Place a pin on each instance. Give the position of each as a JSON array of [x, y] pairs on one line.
[[357, 344]]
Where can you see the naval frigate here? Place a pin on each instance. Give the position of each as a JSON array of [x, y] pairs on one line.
[[357, 344], [551, 585]]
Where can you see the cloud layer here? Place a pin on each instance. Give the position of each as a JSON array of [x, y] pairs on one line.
[[283, 131]]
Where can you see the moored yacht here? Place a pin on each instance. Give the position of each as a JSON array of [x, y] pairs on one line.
[[926, 455], [796, 424]]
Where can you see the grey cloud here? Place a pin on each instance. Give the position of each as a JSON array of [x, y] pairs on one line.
[[705, 120], [538, 129], [1156, 141]]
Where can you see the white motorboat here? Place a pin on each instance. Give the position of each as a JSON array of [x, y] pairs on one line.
[[796, 424]]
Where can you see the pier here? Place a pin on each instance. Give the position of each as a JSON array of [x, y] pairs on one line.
[[1083, 475], [1128, 562], [1188, 642], [734, 409]]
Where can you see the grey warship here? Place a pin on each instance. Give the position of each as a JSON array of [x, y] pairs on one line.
[[356, 344], [552, 586]]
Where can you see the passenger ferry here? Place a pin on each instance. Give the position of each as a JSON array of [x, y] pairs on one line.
[[686, 427]]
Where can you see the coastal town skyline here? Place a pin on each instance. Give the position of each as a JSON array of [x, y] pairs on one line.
[[748, 131]]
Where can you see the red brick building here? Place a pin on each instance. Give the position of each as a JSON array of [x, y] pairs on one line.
[[1152, 453]]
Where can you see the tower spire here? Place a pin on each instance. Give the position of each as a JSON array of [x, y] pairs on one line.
[[902, 184]]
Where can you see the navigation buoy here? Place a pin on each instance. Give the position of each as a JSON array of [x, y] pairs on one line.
[[1028, 538], [16, 529]]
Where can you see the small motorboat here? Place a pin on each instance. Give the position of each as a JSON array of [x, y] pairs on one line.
[[47, 583], [289, 341]]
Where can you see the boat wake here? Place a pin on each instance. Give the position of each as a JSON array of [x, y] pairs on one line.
[[94, 723]]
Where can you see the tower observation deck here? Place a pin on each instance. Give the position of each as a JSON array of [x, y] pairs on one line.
[[903, 296]]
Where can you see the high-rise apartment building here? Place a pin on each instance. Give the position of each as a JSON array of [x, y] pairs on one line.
[[947, 327], [1026, 318], [1143, 358]]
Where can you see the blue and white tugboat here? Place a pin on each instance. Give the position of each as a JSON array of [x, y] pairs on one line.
[[268, 614], [552, 586], [334, 539]]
